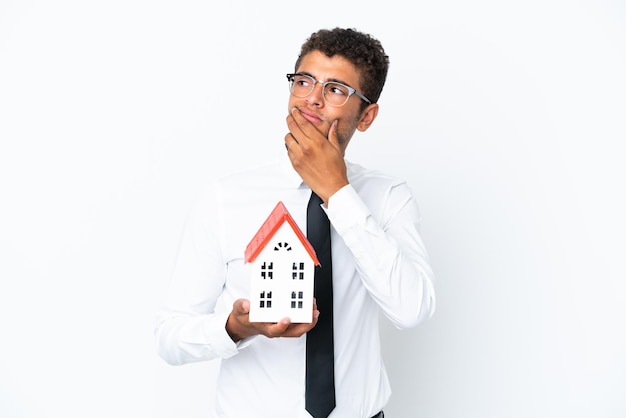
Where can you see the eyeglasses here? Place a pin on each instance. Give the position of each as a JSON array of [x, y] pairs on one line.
[[335, 94]]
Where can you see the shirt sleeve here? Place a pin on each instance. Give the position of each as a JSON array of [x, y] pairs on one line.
[[188, 327], [388, 250]]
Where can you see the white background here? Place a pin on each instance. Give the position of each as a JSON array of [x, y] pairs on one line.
[[507, 119]]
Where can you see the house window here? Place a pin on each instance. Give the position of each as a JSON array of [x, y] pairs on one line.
[[265, 300], [267, 271], [297, 271], [296, 300], [282, 246]]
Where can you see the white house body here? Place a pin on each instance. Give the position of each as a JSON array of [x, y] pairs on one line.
[[282, 268]]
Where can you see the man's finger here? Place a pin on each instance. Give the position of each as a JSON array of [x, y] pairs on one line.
[[332, 134], [293, 124], [241, 307]]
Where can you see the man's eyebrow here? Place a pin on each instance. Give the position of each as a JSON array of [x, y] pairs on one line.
[[334, 80]]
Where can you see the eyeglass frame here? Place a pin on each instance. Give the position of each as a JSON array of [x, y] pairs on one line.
[[351, 90]]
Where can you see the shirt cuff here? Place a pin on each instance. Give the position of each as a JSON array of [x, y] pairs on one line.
[[218, 342], [346, 209]]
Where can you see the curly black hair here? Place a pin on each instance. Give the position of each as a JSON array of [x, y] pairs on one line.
[[361, 49]]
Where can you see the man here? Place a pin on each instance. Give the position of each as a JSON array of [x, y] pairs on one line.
[[379, 264]]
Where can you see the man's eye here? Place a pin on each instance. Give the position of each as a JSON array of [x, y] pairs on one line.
[[302, 81], [337, 89]]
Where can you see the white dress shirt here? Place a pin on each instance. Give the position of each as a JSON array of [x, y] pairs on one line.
[[379, 265]]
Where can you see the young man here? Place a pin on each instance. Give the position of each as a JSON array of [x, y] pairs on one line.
[[379, 264]]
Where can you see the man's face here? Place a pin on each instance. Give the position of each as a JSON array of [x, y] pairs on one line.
[[313, 107]]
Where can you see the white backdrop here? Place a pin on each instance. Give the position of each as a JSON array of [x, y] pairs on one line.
[[507, 119]]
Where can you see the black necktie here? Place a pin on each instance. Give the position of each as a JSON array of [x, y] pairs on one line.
[[320, 367]]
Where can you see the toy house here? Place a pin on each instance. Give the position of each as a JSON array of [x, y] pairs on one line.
[[282, 266]]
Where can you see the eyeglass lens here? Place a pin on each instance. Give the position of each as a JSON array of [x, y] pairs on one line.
[[335, 94]]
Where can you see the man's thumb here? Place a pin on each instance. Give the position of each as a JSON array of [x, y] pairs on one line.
[[241, 306]]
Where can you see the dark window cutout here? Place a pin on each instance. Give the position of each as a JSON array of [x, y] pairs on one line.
[[267, 270], [297, 301], [265, 300], [298, 271], [282, 246]]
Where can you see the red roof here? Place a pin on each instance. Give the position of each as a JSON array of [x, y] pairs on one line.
[[279, 215]]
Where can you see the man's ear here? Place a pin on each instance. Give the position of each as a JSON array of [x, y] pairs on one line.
[[368, 117]]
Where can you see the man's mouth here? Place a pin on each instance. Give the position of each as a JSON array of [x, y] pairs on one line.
[[311, 117]]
